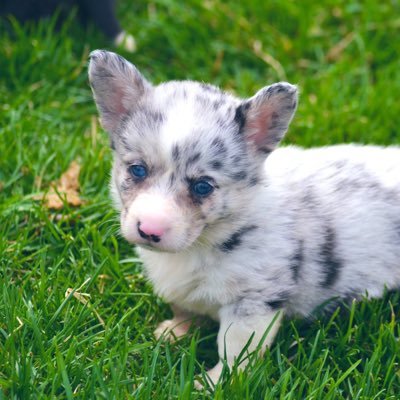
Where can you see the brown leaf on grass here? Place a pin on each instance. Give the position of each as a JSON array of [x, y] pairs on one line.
[[64, 190], [84, 299]]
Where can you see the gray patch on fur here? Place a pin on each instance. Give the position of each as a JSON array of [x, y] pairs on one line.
[[279, 302], [175, 152], [297, 260], [235, 240], [240, 116], [193, 159], [216, 164], [330, 263]]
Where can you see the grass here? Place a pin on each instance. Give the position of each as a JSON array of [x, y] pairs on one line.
[[345, 57]]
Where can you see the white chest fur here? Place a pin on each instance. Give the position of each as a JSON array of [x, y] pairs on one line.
[[196, 281]]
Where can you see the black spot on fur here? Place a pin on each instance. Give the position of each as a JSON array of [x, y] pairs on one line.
[[277, 88], [175, 152], [240, 116], [193, 158], [156, 116], [265, 150], [209, 88], [219, 146], [253, 181], [217, 104], [172, 179], [331, 265], [276, 304], [216, 164], [122, 62], [239, 176], [125, 142], [235, 239], [297, 260], [101, 73]]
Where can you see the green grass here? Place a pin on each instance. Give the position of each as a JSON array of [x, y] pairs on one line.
[[52, 346]]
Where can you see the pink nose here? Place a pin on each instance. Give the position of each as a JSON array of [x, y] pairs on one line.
[[151, 230]]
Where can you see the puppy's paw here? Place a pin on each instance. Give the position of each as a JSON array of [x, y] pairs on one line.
[[212, 377], [126, 41], [172, 329]]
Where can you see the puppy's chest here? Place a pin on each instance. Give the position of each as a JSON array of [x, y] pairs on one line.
[[199, 283]]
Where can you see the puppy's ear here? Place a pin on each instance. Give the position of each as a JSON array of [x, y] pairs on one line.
[[264, 118], [117, 87]]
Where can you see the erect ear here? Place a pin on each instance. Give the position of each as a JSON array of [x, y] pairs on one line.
[[264, 118], [117, 87]]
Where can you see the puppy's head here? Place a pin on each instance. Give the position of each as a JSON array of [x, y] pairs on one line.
[[187, 156]]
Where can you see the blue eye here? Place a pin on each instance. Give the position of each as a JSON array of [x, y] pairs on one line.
[[138, 171], [201, 188]]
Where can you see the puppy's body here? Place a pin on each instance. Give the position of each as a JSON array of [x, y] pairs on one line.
[[325, 223], [229, 227]]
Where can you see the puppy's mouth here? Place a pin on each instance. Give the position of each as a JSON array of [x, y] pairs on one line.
[[149, 246], [163, 246], [158, 248]]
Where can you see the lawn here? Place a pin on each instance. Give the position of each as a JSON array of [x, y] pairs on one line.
[[96, 341]]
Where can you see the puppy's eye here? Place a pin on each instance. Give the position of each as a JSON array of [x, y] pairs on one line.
[[138, 171], [201, 188]]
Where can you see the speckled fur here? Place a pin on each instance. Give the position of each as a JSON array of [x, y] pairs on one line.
[[284, 231]]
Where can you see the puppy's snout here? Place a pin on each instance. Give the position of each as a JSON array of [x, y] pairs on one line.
[[152, 230], [154, 219]]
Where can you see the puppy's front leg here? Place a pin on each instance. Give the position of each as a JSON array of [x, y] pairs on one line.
[[237, 325], [176, 327]]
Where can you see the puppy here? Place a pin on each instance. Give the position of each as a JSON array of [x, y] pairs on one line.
[[230, 227]]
